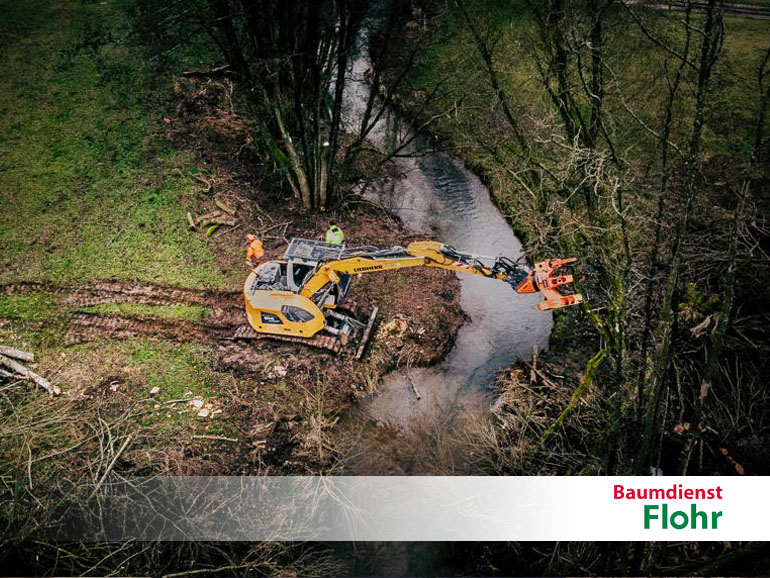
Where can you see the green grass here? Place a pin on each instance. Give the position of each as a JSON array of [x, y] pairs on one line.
[[89, 187], [184, 312], [176, 368], [34, 307], [180, 371], [634, 76], [32, 322]]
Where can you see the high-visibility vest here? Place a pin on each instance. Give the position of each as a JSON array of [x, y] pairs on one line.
[[334, 235]]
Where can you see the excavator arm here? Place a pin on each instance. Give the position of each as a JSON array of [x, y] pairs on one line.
[[434, 254]]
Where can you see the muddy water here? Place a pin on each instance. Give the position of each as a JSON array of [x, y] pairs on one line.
[[438, 195]]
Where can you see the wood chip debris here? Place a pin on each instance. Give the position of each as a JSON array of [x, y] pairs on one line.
[[204, 407], [277, 371]]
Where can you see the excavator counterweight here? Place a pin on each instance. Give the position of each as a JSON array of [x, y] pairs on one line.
[[303, 297]]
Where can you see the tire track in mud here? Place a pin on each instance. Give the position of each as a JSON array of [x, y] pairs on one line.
[[86, 326], [115, 291], [225, 315]]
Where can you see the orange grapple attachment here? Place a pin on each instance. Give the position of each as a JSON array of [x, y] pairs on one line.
[[557, 301], [546, 282]]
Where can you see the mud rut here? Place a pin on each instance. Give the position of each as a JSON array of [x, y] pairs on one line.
[[225, 326]]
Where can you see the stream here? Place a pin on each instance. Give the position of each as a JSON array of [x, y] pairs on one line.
[[438, 195], [394, 432]]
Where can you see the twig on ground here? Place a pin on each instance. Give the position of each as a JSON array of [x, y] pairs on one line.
[[215, 438], [112, 465]]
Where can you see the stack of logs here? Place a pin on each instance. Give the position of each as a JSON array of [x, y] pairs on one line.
[[12, 368], [223, 216]]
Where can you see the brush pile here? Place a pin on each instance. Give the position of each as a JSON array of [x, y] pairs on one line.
[[223, 216], [11, 367]]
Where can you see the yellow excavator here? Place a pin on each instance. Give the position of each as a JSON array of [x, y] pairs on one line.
[[302, 298]]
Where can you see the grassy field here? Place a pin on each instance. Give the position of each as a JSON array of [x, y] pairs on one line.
[[635, 77], [88, 186], [91, 189]]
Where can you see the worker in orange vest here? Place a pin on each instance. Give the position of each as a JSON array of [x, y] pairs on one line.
[[255, 252]]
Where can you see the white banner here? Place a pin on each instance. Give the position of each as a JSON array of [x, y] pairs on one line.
[[427, 508]]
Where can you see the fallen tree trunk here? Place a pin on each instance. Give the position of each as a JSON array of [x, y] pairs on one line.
[[16, 353], [588, 377], [29, 374]]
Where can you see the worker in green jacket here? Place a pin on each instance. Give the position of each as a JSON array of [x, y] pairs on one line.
[[334, 235]]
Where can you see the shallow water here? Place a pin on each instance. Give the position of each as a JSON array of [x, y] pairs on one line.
[[438, 195]]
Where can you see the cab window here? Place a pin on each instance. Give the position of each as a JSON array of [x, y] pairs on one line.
[[299, 273]]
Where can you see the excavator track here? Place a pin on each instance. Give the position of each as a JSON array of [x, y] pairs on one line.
[[351, 308], [328, 342]]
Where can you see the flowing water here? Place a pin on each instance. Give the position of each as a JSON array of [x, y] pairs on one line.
[[438, 195]]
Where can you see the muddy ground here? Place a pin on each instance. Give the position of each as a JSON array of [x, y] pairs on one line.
[[257, 430]]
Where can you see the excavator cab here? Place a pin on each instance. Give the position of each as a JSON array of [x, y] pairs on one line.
[[272, 307], [275, 305], [303, 257]]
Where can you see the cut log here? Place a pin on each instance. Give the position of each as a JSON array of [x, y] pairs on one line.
[[16, 353], [29, 374], [217, 221], [227, 221], [203, 218], [225, 207]]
